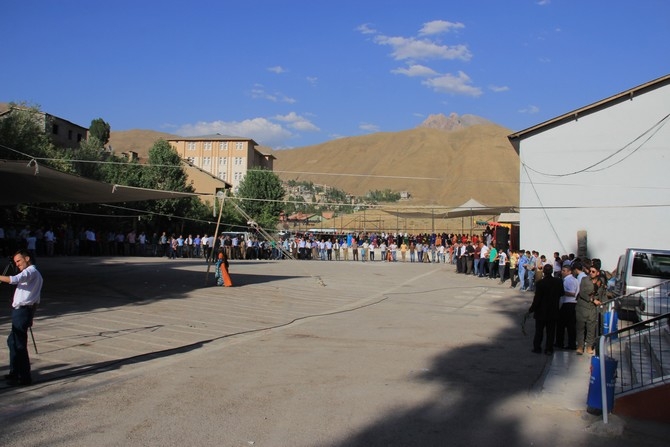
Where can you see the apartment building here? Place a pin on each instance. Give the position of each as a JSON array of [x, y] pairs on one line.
[[225, 157]]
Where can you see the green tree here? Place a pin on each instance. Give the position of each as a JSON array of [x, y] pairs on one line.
[[22, 133], [100, 130], [266, 194]]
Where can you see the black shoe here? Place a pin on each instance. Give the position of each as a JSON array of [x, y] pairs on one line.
[[11, 376]]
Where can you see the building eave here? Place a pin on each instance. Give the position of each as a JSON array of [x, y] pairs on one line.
[[574, 115]]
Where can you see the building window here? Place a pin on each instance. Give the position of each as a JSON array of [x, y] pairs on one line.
[[79, 137], [224, 161], [208, 145], [191, 145], [239, 145], [222, 175], [69, 134], [206, 161], [54, 129], [223, 145], [191, 160]]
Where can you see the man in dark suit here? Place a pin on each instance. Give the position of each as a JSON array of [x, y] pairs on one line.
[[548, 292]]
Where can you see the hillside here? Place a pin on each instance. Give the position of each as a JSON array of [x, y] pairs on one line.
[[435, 166], [136, 140]]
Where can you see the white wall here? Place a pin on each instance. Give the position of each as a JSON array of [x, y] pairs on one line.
[[621, 202]]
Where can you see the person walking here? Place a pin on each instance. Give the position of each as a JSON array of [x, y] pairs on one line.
[[26, 298]]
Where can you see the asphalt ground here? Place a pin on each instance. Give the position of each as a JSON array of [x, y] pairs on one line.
[[148, 351]]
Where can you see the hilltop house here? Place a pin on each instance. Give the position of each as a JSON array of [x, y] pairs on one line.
[[594, 180], [63, 133]]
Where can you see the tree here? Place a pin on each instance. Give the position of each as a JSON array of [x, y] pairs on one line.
[[22, 133], [100, 130], [266, 194]]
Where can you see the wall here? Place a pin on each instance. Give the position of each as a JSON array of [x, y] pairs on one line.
[[619, 202]]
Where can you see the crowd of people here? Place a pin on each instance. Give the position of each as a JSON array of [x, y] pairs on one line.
[[65, 241]]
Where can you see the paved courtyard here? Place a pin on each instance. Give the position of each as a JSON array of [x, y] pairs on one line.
[[147, 351]]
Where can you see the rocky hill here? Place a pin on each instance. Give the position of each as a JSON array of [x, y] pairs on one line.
[[434, 166]]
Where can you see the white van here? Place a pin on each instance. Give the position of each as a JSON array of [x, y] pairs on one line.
[[640, 269]]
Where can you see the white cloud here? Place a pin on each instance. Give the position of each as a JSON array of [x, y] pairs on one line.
[[369, 127], [498, 88], [277, 69], [543, 2], [312, 79], [411, 48], [530, 110], [415, 70], [297, 122], [259, 93], [366, 29], [439, 26], [260, 130], [449, 83]]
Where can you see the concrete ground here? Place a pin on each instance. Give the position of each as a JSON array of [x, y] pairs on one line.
[[147, 351]]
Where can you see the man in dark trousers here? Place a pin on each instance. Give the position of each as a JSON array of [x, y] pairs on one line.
[[26, 298], [548, 293]]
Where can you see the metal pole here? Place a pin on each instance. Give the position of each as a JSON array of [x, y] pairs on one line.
[[33, 337], [216, 232]]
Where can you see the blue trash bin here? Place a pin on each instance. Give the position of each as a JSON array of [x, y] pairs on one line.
[[594, 403]]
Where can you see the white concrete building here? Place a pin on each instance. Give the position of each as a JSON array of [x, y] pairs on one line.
[[603, 172]]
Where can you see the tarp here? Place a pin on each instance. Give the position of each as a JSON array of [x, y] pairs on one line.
[[474, 208], [31, 182]]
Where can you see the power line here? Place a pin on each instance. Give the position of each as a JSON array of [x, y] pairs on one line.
[[652, 131]]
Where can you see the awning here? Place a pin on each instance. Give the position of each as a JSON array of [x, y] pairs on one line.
[[31, 182], [474, 208]]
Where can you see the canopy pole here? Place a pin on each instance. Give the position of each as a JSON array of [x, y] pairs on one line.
[[219, 195]]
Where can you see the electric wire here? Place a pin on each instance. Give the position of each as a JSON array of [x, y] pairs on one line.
[[652, 131]]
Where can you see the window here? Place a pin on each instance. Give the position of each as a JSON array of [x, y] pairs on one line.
[[208, 145], [191, 145], [223, 145], [79, 137], [190, 160], [206, 161], [221, 159], [69, 134], [222, 175], [239, 145], [54, 129], [225, 161]]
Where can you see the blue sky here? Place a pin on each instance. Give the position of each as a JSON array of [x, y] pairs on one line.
[[291, 73]]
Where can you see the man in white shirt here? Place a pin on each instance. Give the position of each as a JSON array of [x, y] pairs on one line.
[[567, 318], [26, 297]]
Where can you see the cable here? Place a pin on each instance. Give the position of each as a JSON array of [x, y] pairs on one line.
[[185, 348], [652, 131], [546, 215]]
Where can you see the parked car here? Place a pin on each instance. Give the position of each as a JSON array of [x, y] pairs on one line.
[[642, 279]]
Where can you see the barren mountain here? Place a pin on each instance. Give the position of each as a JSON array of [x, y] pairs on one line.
[[434, 166], [136, 140]]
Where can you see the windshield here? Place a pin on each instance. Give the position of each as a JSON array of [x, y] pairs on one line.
[[651, 265]]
